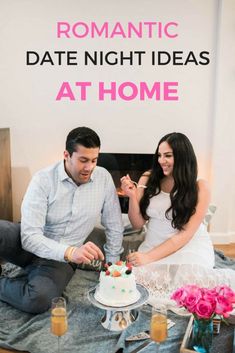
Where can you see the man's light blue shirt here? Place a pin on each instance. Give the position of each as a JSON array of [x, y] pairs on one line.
[[56, 213]]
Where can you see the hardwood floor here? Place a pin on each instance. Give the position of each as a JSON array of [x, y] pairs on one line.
[[228, 250]]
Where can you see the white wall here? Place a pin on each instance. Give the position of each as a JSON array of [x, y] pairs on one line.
[[39, 124], [223, 166]]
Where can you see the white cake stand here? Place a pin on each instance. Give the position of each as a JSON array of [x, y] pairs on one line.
[[119, 318]]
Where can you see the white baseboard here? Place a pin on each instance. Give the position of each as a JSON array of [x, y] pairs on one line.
[[222, 238]]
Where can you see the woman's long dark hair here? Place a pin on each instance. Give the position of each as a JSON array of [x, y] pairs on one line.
[[184, 194]]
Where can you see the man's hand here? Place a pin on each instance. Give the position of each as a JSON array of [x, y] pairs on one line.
[[85, 254]]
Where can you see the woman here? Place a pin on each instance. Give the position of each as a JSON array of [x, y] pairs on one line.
[[173, 203]]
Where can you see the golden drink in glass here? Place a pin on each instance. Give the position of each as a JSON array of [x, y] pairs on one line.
[[158, 329], [59, 324], [158, 325]]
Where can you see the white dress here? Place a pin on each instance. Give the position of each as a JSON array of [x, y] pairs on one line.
[[192, 264], [199, 250]]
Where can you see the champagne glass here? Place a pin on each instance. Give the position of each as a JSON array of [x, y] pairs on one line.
[[59, 324], [158, 325]]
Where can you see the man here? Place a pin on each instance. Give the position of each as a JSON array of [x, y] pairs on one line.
[[60, 209]]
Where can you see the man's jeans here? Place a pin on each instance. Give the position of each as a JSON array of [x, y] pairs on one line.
[[43, 279]]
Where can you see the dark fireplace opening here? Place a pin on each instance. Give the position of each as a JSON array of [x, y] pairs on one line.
[[120, 164]]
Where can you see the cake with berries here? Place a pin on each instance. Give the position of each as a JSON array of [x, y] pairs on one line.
[[117, 285]]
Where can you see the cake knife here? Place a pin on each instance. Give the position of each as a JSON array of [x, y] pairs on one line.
[[142, 346], [143, 335], [138, 336]]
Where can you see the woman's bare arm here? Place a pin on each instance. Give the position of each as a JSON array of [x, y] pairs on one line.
[[182, 237]]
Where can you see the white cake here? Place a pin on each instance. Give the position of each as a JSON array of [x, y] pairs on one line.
[[117, 286]]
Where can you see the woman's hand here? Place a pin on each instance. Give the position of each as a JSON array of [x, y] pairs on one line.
[[138, 258], [128, 187], [134, 195]]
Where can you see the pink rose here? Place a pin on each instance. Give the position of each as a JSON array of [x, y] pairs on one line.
[[210, 296], [223, 306], [179, 295], [192, 299], [227, 292], [204, 309]]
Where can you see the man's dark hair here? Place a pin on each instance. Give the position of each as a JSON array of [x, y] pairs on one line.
[[82, 136]]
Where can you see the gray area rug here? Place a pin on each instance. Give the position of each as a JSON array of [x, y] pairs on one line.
[[31, 333]]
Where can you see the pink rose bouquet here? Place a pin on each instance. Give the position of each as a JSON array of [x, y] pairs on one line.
[[205, 303]]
